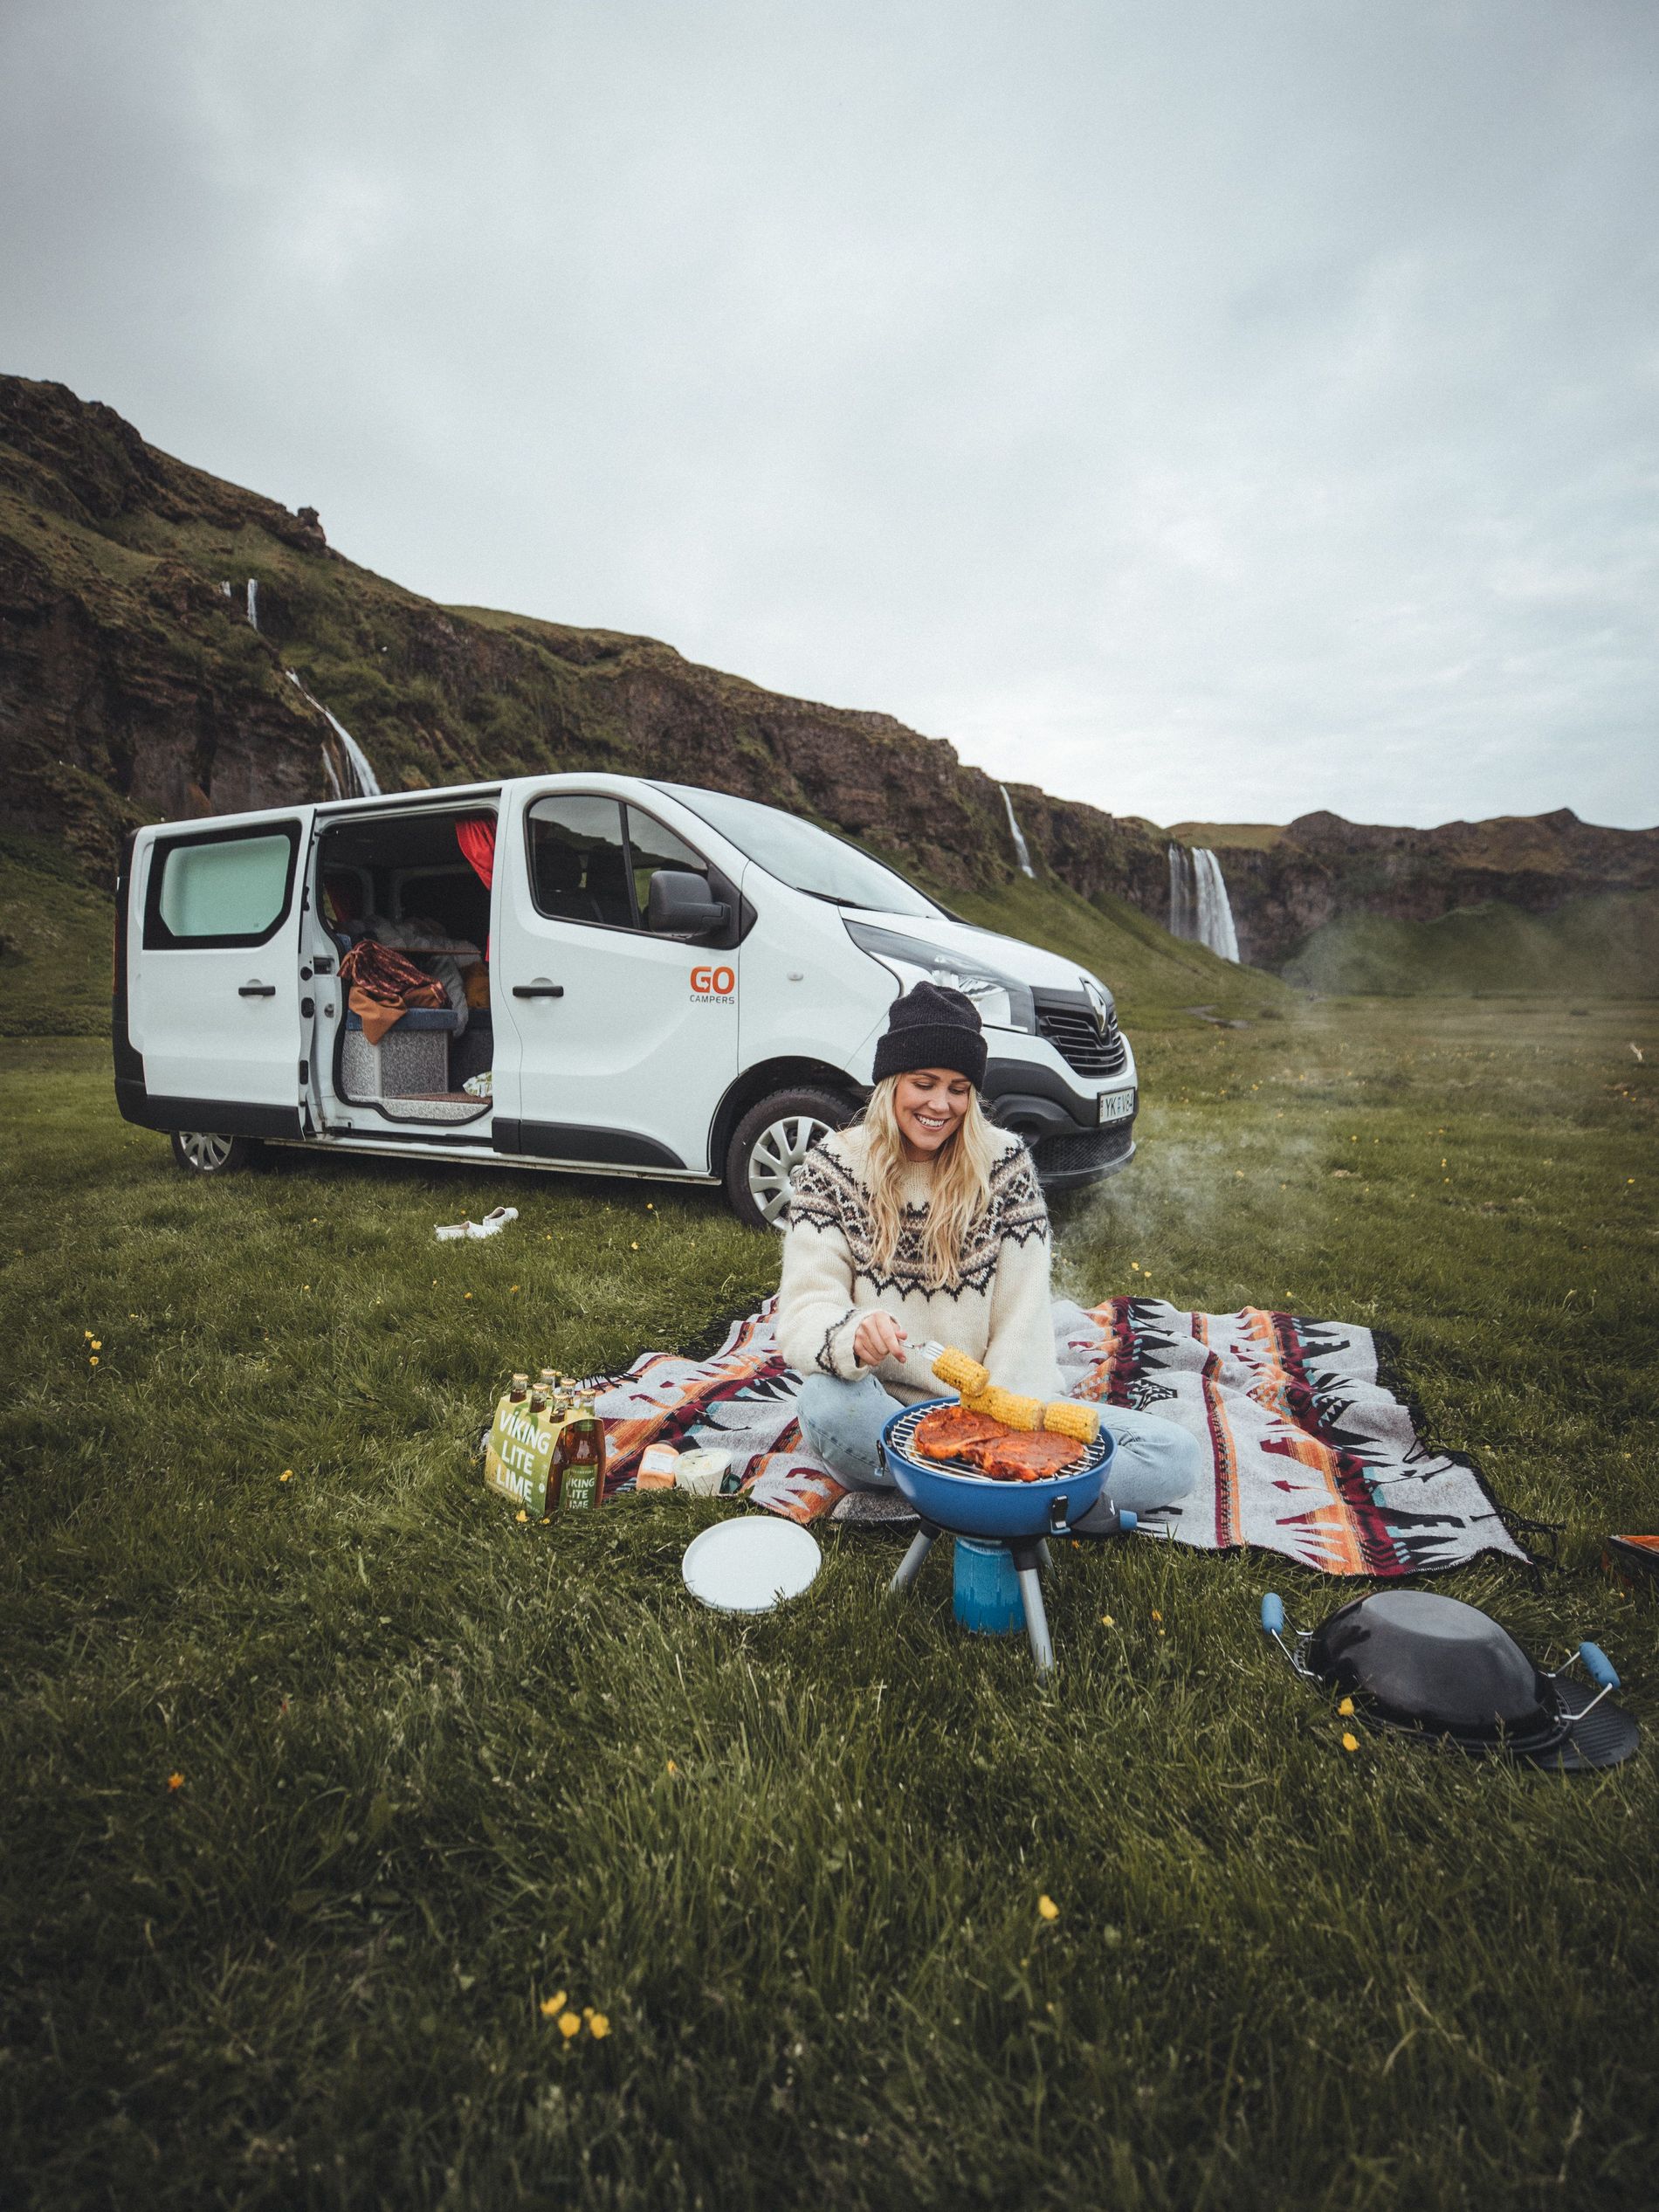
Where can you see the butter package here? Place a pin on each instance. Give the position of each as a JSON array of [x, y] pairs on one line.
[[658, 1464], [518, 1455]]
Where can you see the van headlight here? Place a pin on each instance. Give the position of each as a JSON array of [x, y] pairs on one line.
[[1002, 1003]]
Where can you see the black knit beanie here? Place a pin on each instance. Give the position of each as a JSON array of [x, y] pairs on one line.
[[932, 1026]]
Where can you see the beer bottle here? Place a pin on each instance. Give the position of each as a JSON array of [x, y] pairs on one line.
[[579, 1456], [520, 1390], [592, 1398]]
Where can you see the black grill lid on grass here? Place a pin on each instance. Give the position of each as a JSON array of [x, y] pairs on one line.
[[1433, 1666]]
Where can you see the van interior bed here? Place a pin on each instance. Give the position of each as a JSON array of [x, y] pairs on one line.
[[406, 883]]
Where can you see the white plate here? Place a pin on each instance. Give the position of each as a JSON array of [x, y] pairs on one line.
[[750, 1565]]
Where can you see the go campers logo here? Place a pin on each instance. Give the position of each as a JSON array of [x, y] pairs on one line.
[[713, 986]]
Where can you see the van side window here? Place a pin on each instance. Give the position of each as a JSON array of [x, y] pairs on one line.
[[231, 890], [578, 860], [652, 847]]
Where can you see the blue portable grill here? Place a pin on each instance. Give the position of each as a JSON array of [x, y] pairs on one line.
[[953, 1498]]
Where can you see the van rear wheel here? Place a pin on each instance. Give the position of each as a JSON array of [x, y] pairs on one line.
[[202, 1152], [769, 1144]]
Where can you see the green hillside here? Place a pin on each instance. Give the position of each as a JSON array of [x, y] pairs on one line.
[[1602, 947], [1153, 976], [55, 934]]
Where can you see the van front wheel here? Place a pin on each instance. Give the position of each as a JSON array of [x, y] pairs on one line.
[[200, 1152], [769, 1144]]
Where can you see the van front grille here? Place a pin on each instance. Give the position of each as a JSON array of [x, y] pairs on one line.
[[1067, 1020], [1091, 1152]]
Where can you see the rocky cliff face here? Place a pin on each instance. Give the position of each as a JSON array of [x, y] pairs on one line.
[[1321, 868], [133, 687]]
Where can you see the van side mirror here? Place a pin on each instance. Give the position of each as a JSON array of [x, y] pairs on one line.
[[679, 904]]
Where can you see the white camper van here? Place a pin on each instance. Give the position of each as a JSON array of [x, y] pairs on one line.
[[633, 976]]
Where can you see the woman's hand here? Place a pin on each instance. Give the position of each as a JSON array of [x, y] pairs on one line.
[[878, 1337]]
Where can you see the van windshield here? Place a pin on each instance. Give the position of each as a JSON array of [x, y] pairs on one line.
[[806, 857]]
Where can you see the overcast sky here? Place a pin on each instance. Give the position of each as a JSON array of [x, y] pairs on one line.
[[1209, 410]]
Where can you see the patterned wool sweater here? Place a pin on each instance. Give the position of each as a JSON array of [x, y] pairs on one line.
[[997, 1310]]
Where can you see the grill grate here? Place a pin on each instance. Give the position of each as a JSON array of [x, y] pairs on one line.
[[1069, 1027], [900, 1439]]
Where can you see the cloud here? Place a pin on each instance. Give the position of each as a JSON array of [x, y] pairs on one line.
[[1204, 412]]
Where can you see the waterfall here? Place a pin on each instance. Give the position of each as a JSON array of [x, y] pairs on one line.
[[1021, 850], [364, 783], [1199, 906], [253, 602]]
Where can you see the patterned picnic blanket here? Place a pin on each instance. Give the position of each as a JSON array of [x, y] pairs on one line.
[[1309, 1453]]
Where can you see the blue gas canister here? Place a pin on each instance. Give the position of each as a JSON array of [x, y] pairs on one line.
[[986, 1590]]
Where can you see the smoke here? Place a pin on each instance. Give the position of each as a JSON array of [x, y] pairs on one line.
[[1232, 1169]]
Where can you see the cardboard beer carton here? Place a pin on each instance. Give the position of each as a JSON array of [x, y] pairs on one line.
[[519, 1456]]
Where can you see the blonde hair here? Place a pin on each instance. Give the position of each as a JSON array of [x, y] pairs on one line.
[[961, 1183]]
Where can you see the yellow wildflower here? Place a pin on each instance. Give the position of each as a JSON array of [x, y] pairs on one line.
[[521, 1514], [1106, 1621], [1048, 1908], [673, 1768], [175, 1781], [599, 2027], [98, 1344], [1350, 1742], [1346, 1708], [554, 2003], [568, 2024], [286, 1475]]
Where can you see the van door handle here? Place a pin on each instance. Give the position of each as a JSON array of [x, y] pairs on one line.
[[258, 990], [540, 988]]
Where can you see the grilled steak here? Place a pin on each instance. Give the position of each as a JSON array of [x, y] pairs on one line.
[[948, 1431], [975, 1440]]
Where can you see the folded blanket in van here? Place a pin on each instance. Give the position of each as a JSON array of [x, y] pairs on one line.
[[383, 986], [1310, 1450]]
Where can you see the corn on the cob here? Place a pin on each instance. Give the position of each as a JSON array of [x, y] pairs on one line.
[[1061, 1416], [1065, 1418], [1013, 1411], [960, 1373]]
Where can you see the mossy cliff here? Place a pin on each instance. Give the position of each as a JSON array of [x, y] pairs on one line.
[[133, 687]]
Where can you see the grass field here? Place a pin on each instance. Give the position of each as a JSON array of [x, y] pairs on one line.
[[323, 1776]]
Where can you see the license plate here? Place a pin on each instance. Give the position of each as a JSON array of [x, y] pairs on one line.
[[1116, 1105]]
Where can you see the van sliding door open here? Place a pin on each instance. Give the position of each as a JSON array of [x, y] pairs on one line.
[[212, 975]]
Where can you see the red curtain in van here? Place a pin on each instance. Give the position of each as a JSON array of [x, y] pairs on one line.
[[476, 837]]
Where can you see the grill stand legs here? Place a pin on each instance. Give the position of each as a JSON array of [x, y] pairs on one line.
[[1027, 1554], [911, 1566]]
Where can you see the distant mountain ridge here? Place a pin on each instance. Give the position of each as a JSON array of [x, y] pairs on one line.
[[1286, 884], [134, 687]]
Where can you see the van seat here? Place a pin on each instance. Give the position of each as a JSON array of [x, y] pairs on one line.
[[418, 1017]]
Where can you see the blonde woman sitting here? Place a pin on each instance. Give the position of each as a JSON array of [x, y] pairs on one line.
[[923, 1220]]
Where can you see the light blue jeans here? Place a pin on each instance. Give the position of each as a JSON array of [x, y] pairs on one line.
[[1155, 1464]]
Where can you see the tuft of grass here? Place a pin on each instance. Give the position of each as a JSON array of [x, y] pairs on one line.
[[435, 1768]]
